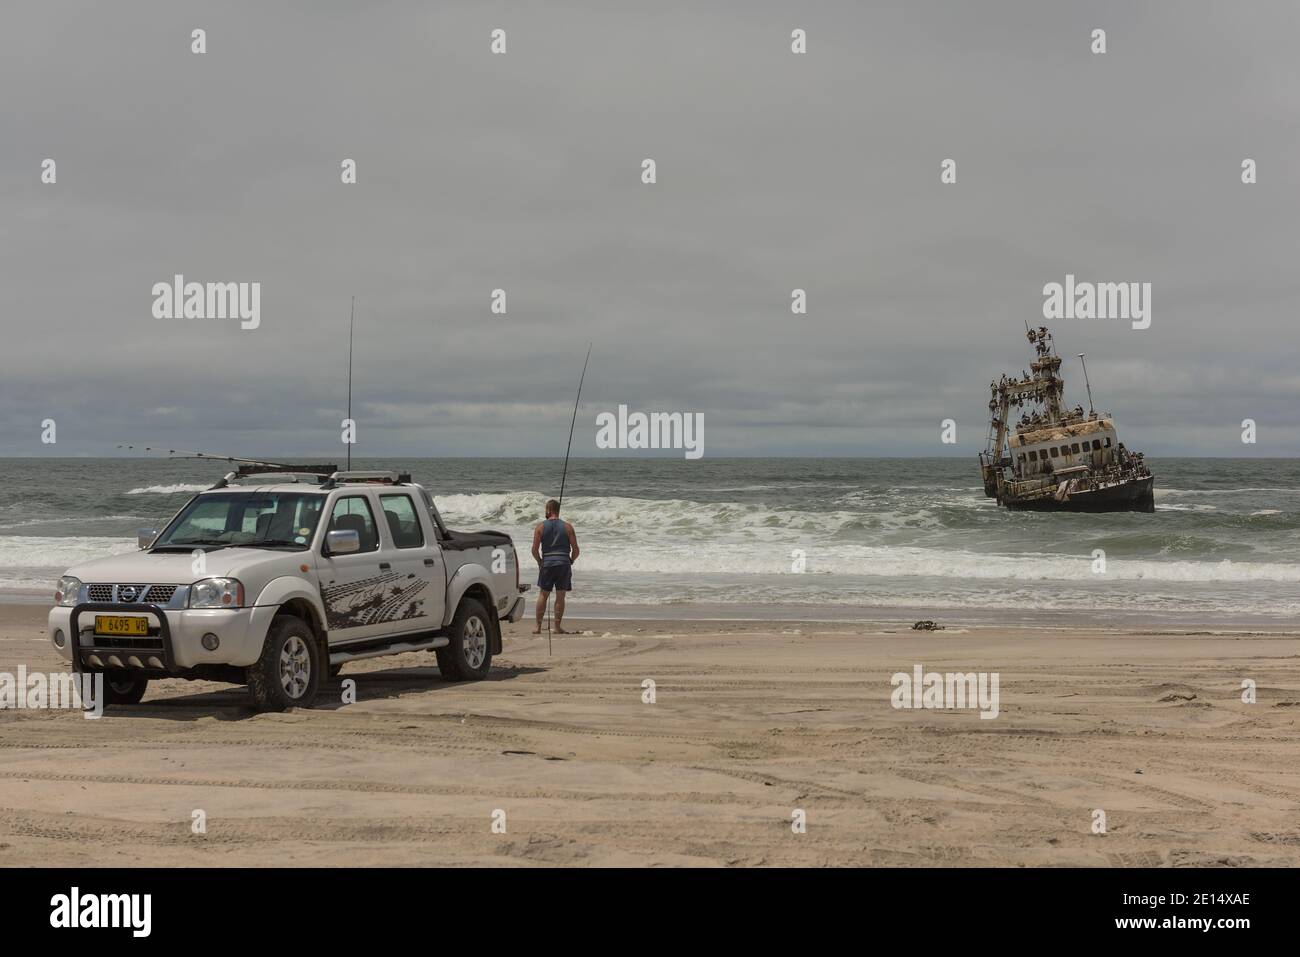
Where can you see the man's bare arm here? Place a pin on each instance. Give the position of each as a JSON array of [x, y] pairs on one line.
[[573, 542], [537, 544]]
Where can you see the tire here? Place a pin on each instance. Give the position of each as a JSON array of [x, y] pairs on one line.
[[288, 673], [123, 687], [469, 655]]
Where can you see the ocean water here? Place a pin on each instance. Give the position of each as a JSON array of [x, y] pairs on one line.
[[879, 538]]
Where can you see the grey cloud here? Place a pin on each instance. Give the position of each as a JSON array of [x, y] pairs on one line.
[[522, 172]]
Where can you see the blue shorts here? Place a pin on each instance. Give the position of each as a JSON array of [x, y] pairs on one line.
[[555, 577]]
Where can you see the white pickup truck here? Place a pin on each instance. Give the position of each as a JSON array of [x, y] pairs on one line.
[[273, 586]]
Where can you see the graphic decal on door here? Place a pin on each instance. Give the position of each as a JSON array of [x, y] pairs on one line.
[[372, 601]]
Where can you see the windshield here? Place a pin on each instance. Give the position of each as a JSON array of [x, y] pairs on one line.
[[260, 519]]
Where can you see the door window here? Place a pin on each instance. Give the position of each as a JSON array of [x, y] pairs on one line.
[[403, 522], [352, 513]]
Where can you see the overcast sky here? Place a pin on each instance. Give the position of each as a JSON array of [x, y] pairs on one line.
[[523, 172]]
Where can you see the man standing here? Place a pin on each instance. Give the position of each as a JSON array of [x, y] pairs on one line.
[[555, 549]]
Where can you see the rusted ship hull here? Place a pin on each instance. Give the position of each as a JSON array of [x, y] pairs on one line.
[[1135, 495]]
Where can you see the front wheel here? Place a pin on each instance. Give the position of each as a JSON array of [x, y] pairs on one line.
[[122, 687], [288, 673], [468, 657]]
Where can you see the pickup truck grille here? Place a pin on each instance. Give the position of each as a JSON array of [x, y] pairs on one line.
[[132, 594], [150, 643]]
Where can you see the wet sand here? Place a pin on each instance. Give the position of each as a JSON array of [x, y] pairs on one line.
[[752, 721]]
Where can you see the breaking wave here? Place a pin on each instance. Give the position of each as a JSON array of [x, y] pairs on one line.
[[679, 536], [167, 489]]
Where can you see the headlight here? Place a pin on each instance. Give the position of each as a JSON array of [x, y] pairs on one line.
[[217, 593], [66, 591]]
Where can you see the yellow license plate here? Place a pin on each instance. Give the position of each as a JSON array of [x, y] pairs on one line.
[[121, 625]]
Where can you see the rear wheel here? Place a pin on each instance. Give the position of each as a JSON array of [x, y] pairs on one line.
[[288, 673], [468, 657], [122, 687]]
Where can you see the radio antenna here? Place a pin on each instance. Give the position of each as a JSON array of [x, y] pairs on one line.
[[352, 432], [1091, 411]]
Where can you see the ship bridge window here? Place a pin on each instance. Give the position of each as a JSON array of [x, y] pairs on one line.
[[1033, 456], [1075, 448], [1055, 452], [1096, 445], [1065, 450], [1108, 441]]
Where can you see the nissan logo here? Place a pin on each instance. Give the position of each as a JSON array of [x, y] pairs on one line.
[[127, 593]]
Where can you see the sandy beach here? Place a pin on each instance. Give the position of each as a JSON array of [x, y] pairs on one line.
[[750, 722]]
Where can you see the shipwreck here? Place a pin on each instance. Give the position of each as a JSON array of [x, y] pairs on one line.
[[1055, 458]]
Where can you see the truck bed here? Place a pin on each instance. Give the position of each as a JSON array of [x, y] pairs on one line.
[[458, 541]]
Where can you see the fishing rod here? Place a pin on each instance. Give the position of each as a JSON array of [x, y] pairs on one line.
[[192, 454], [246, 466], [565, 474]]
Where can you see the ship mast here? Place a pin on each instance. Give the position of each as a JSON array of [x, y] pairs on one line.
[[1046, 373]]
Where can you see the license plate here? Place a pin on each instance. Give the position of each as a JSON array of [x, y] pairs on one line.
[[121, 625]]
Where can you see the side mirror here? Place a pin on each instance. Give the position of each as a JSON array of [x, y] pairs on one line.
[[144, 537], [342, 541]]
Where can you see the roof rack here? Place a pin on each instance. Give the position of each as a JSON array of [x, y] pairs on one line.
[[377, 477], [295, 472], [322, 470]]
